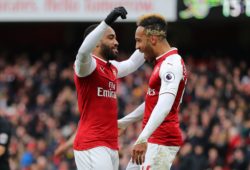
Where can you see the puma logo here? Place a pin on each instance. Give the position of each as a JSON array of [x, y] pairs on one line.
[[102, 69]]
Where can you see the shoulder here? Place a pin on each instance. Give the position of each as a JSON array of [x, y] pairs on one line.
[[171, 67], [173, 59], [173, 62], [114, 63]]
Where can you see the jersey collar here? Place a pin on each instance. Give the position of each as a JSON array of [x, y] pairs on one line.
[[166, 54], [101, 61]]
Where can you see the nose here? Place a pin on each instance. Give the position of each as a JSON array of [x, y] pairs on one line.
[[137, 46], [116, 42]]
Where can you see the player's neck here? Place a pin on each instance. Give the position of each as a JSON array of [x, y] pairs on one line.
[[97, 54], [162, 48]]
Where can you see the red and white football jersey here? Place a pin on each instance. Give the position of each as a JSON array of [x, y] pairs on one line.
[[97, 103], [168, 133]]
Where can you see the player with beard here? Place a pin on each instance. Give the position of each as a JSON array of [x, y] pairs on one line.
[[96, 73], [160, 139]]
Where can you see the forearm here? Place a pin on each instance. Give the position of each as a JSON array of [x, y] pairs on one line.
[[134, 116], [130, 65], [85, 64], [158, 115], [90, 42], [70, 141]]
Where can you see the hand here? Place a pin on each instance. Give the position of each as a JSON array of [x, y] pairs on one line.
[[115, 13], [138, 153], [121, 131], [60, 149]]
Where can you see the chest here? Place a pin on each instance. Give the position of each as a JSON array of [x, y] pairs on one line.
[[105, 76], [155, 81]]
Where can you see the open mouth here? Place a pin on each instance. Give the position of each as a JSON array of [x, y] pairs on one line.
[[115, 50]]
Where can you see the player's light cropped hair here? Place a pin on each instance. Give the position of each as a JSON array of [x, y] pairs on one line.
[[154, 24]]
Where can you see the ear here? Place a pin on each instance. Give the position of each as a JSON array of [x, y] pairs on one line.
[[153, 40]]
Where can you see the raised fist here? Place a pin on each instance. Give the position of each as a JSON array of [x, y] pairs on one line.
[[114, 14]]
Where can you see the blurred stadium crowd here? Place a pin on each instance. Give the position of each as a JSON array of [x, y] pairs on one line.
[[38, 96]]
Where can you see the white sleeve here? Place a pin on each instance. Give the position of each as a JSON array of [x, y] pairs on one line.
[[159, 113], [128, 66], [85, 64], [134, 116], [171, 73]]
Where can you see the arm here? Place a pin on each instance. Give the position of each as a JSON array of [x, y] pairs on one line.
[[128, 66], [84, 63], [65, 146], [134, 116], [158, 115]]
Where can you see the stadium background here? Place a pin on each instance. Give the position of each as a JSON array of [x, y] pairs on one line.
[[37, 92]]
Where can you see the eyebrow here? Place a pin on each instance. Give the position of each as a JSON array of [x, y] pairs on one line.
[[111, 35]]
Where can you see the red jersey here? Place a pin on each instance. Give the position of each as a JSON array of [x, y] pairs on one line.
[[97, 105], [168, 133]]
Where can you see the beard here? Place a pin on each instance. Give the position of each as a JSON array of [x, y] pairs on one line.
[[108, 53], [149, 54]]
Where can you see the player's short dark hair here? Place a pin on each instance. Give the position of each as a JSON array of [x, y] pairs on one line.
[[154, 24], [89, 29]]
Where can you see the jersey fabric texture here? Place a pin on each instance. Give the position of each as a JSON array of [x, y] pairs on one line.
[[168, 133], [97, 105]]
